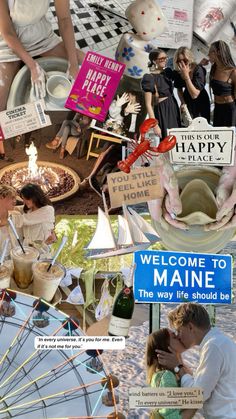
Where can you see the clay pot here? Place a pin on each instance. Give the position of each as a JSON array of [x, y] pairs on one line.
[[199, 205], [195, 239]]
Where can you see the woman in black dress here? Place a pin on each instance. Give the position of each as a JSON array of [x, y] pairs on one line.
[[158, 93], [223, 84], [190, 80]]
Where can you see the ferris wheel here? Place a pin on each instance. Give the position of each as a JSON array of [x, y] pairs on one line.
[[37, 384]]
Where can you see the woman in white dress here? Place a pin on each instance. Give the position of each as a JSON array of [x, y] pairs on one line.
[[37, 216], [25, 33], [34, 221]]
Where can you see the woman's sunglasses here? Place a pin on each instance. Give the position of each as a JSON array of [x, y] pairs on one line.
[[162, 59]]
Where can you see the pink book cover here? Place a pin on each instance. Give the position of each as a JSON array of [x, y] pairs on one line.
[[95, 86]]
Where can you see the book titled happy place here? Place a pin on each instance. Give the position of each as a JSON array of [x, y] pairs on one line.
[[95, 86]]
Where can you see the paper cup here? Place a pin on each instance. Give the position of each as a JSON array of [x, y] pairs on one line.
[[46, 283]]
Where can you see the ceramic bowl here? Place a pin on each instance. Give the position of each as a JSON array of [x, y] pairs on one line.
[[199, 206], [58, 88], [195, 239]]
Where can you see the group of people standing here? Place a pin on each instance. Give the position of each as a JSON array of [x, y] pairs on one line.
[[189, 78]]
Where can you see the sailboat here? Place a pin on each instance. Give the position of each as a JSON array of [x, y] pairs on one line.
[[134, 233]]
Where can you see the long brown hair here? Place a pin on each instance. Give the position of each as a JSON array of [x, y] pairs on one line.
[[34, 192], [156, 340], [223, 54]]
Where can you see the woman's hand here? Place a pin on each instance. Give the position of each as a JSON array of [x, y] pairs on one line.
[[72, 71], [133, 108], [38, 81], [226, 200], [204, 61], [184, 70], [170, 205], [120, 101], [157, 131], [52, 238]]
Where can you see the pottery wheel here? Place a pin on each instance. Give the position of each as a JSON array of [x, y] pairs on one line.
[[195, 239], [21, 85]]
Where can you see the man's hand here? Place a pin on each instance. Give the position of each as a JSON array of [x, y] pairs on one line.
[[170, 205]]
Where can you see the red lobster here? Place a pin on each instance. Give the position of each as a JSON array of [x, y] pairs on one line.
[[144, 147]]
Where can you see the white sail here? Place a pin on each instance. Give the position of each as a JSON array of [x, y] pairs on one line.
[[124, 234], [103, 237], [144, 225], [137, 235]]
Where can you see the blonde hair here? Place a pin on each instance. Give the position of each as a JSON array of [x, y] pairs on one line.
[[7, 191], [186, 52], [189, 313], [156, 340]]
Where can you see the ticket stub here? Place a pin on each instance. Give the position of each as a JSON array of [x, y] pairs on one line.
[[23, 118]]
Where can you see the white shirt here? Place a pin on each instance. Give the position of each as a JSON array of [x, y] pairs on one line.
[[216, 375], [37, 225]]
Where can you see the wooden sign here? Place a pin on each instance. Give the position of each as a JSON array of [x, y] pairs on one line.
[[169, 397], [202, 144], [140, 185]]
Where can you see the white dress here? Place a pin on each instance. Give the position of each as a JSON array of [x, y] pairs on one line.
[[32, 28]]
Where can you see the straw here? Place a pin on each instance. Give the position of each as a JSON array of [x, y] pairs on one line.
[[4, 251], [63, 242], [15, 233]]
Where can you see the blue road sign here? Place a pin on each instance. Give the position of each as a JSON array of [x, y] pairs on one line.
[[174, 277]]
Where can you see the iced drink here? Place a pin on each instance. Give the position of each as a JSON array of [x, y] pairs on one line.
[[5, 276], [23, 265], [46, 283]]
